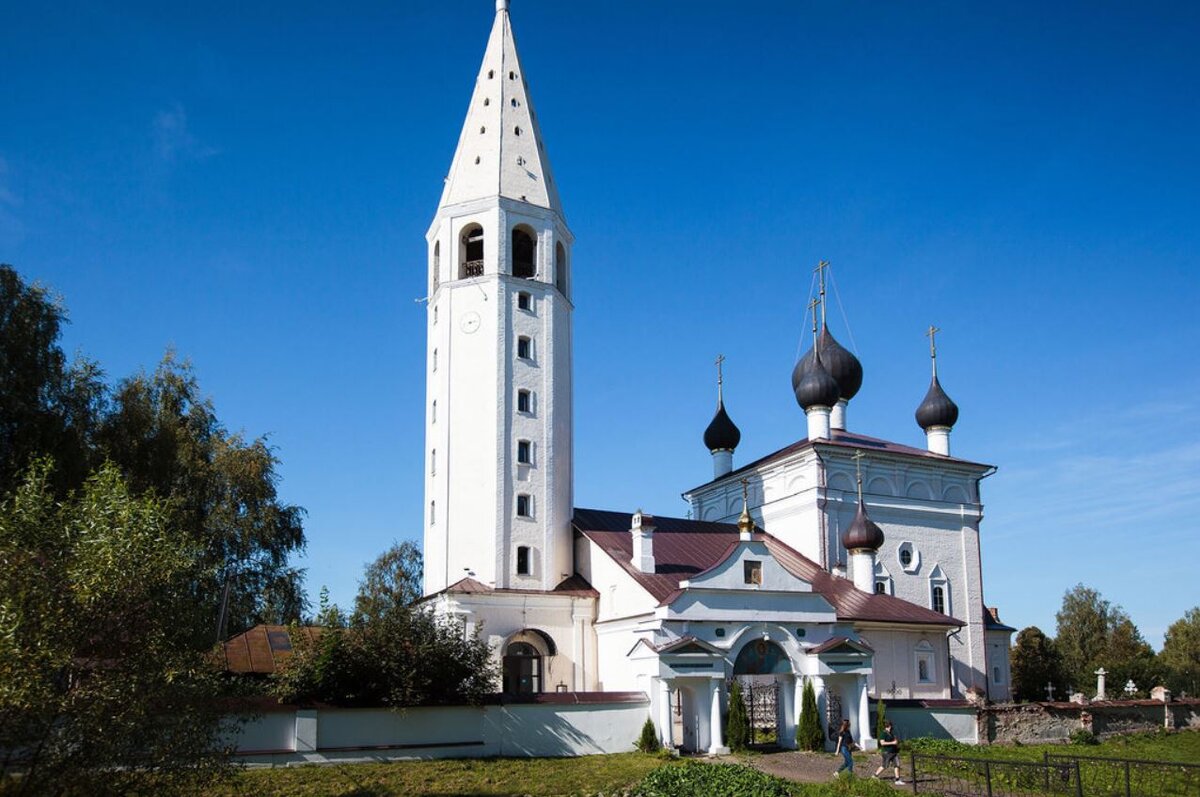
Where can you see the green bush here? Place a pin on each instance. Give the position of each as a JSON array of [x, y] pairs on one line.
[[1083, 736], [808, 733], [648, 741], [694, 779], [931, 746], [737, 734]]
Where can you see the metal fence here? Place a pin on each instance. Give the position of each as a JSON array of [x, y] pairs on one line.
[[956, 776], [1127, 777]]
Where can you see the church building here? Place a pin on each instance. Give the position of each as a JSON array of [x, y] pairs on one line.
[[842, 559]]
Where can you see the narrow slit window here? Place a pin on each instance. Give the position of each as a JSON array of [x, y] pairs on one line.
[[524, 506], [523, 401], [524, 301], [523, 560], [524, 452], [524, 350]]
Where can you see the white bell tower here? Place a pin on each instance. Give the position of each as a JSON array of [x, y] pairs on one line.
[[498, 427]]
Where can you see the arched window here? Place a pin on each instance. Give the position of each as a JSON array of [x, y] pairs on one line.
[[523, 564], [437, 264], [471, 264], [522, 669], [939, 599], [524, 250], [560, 268]]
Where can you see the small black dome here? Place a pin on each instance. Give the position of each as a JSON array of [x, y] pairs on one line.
[[843, 366], [862, 533], [816, 388], [937, 409], [722, 433]]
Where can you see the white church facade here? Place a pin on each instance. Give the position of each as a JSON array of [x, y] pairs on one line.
[[841, 558]]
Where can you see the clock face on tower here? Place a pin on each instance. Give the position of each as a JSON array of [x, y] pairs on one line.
[[469, 322]]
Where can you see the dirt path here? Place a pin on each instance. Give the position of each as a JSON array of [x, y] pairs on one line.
[[813, 767]]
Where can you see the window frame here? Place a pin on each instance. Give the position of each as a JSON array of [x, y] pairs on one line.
[[527, 500]]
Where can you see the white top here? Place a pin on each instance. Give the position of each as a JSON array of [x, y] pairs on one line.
[[500, 150]]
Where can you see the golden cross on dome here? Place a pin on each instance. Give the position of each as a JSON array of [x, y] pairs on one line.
[[820, 269]]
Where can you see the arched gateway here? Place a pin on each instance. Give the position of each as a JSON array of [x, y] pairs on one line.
[[764, 671]]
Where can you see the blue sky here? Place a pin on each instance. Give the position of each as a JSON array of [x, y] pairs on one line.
[[251, 183]]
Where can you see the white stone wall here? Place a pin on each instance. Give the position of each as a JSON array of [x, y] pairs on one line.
[[533, 730], [895, 662]]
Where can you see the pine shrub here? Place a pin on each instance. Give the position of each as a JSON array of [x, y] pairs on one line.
[[648, 741], [808, 732], [737, 735]]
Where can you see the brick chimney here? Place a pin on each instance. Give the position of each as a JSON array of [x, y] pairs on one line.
[[643, 541]]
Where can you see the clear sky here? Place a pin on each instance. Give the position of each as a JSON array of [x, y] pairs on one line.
[[250, 183]]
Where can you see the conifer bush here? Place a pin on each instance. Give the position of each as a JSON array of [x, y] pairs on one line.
[[808, 732], [648, 741], [737, 734]]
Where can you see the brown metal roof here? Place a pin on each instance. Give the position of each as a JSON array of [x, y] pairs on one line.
[[575, 586], [842, 439], [262, 649], [685, 548]]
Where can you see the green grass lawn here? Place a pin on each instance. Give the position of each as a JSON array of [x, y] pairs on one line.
[[540, 777], [588, 776]]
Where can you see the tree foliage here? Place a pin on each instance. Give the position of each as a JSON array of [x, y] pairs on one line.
[[219, 490], [1034, 663], [737, 730], [101, 691], [808, 731], [647, 741], [389, 652], [880, 718], [1181, 653], [1082, 634]]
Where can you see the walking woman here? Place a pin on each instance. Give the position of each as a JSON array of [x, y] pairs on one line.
[[845, 745]]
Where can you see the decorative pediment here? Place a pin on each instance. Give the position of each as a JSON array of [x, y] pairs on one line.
[[748, 566], [842, 646]]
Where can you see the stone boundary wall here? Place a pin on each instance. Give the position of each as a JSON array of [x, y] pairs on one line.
[[563, 725], [1033, 723]]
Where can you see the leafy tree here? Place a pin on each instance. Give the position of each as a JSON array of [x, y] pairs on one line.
[[1181, 653], [1082, 635], [808, 732], [100, 690], [647, 741], [220, 490], [880, 718], [389, 652], [1035, 662], [393, 579], [1127, 656], [737, 732], [47, 406]]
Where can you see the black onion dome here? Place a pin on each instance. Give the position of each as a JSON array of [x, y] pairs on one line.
[[801, 366], [816, 387], [862, 533], [937, 409], [722, 433], [843, 366]]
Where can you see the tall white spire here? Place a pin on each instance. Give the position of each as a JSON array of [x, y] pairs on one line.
[[500, 151]]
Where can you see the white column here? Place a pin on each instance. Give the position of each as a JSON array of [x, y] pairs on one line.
[[819, 690], [798, 704], [837, 417], [865, 738], [666, 723], [818, 423], [938, 439], [862, 570], [716, 744], [578, 682], [787, 715]]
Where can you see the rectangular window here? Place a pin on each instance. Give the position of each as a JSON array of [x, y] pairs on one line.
[[433, 412], [939, 600], [522, 560], [923, 670], [432, 513], [433, 359], [435, 314], [524, 349], [752, 571], [524, 301], [996, 675], [523, 506], [523, 401], [524, 452], [433, 462]]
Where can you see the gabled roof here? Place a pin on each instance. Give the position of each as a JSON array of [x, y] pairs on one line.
[[685, 548], [262, 649], [992, 622], [574, 586], [500, 150], [840, 438], [833, 644]]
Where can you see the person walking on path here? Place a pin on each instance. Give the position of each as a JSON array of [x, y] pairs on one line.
[[845, 745], [889, 747]]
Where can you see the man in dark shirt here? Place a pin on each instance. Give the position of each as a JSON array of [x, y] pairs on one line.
[[889, 747]]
